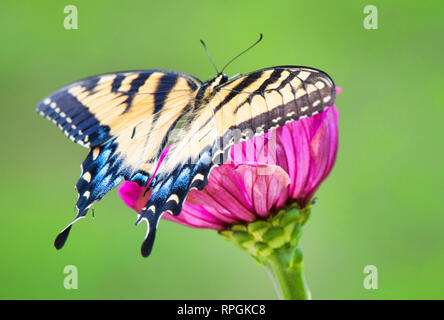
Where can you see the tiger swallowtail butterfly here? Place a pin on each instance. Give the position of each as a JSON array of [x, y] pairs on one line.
[[126, 120]]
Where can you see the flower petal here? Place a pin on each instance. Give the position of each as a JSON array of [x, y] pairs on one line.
[[225, 196], [129, 192], [323, 150], [195, 217], [296, 143], [264, 185]]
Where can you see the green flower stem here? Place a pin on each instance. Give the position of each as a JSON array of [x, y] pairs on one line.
[[273, 243], [288, 274]]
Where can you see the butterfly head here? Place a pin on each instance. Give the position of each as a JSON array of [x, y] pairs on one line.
[[218, 80], [208, 89]]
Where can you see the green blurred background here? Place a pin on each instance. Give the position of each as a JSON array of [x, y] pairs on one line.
[[382, 205]]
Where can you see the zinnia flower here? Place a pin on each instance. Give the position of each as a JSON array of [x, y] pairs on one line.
[[262, 195]]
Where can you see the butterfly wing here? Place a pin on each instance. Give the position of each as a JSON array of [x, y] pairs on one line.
[[240, 109], [124, 118], [92, 111]]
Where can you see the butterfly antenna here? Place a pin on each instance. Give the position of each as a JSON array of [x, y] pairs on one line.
[[250, 47], [208, 54]]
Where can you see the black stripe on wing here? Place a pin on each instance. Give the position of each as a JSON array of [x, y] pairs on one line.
[[74, 118], [135, 85], [248, 79]]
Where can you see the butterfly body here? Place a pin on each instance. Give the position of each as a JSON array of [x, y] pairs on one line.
[[127, 119]]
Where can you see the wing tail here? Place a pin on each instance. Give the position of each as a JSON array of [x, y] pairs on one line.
[[102, 171], [169, 191]]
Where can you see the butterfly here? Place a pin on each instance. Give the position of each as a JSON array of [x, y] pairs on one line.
[[127, 119]]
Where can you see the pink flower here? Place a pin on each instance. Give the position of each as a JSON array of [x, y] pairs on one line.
[[288, 164]]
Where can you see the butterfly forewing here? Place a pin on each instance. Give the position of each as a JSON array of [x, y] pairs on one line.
[[271, 97], [92, 111]]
